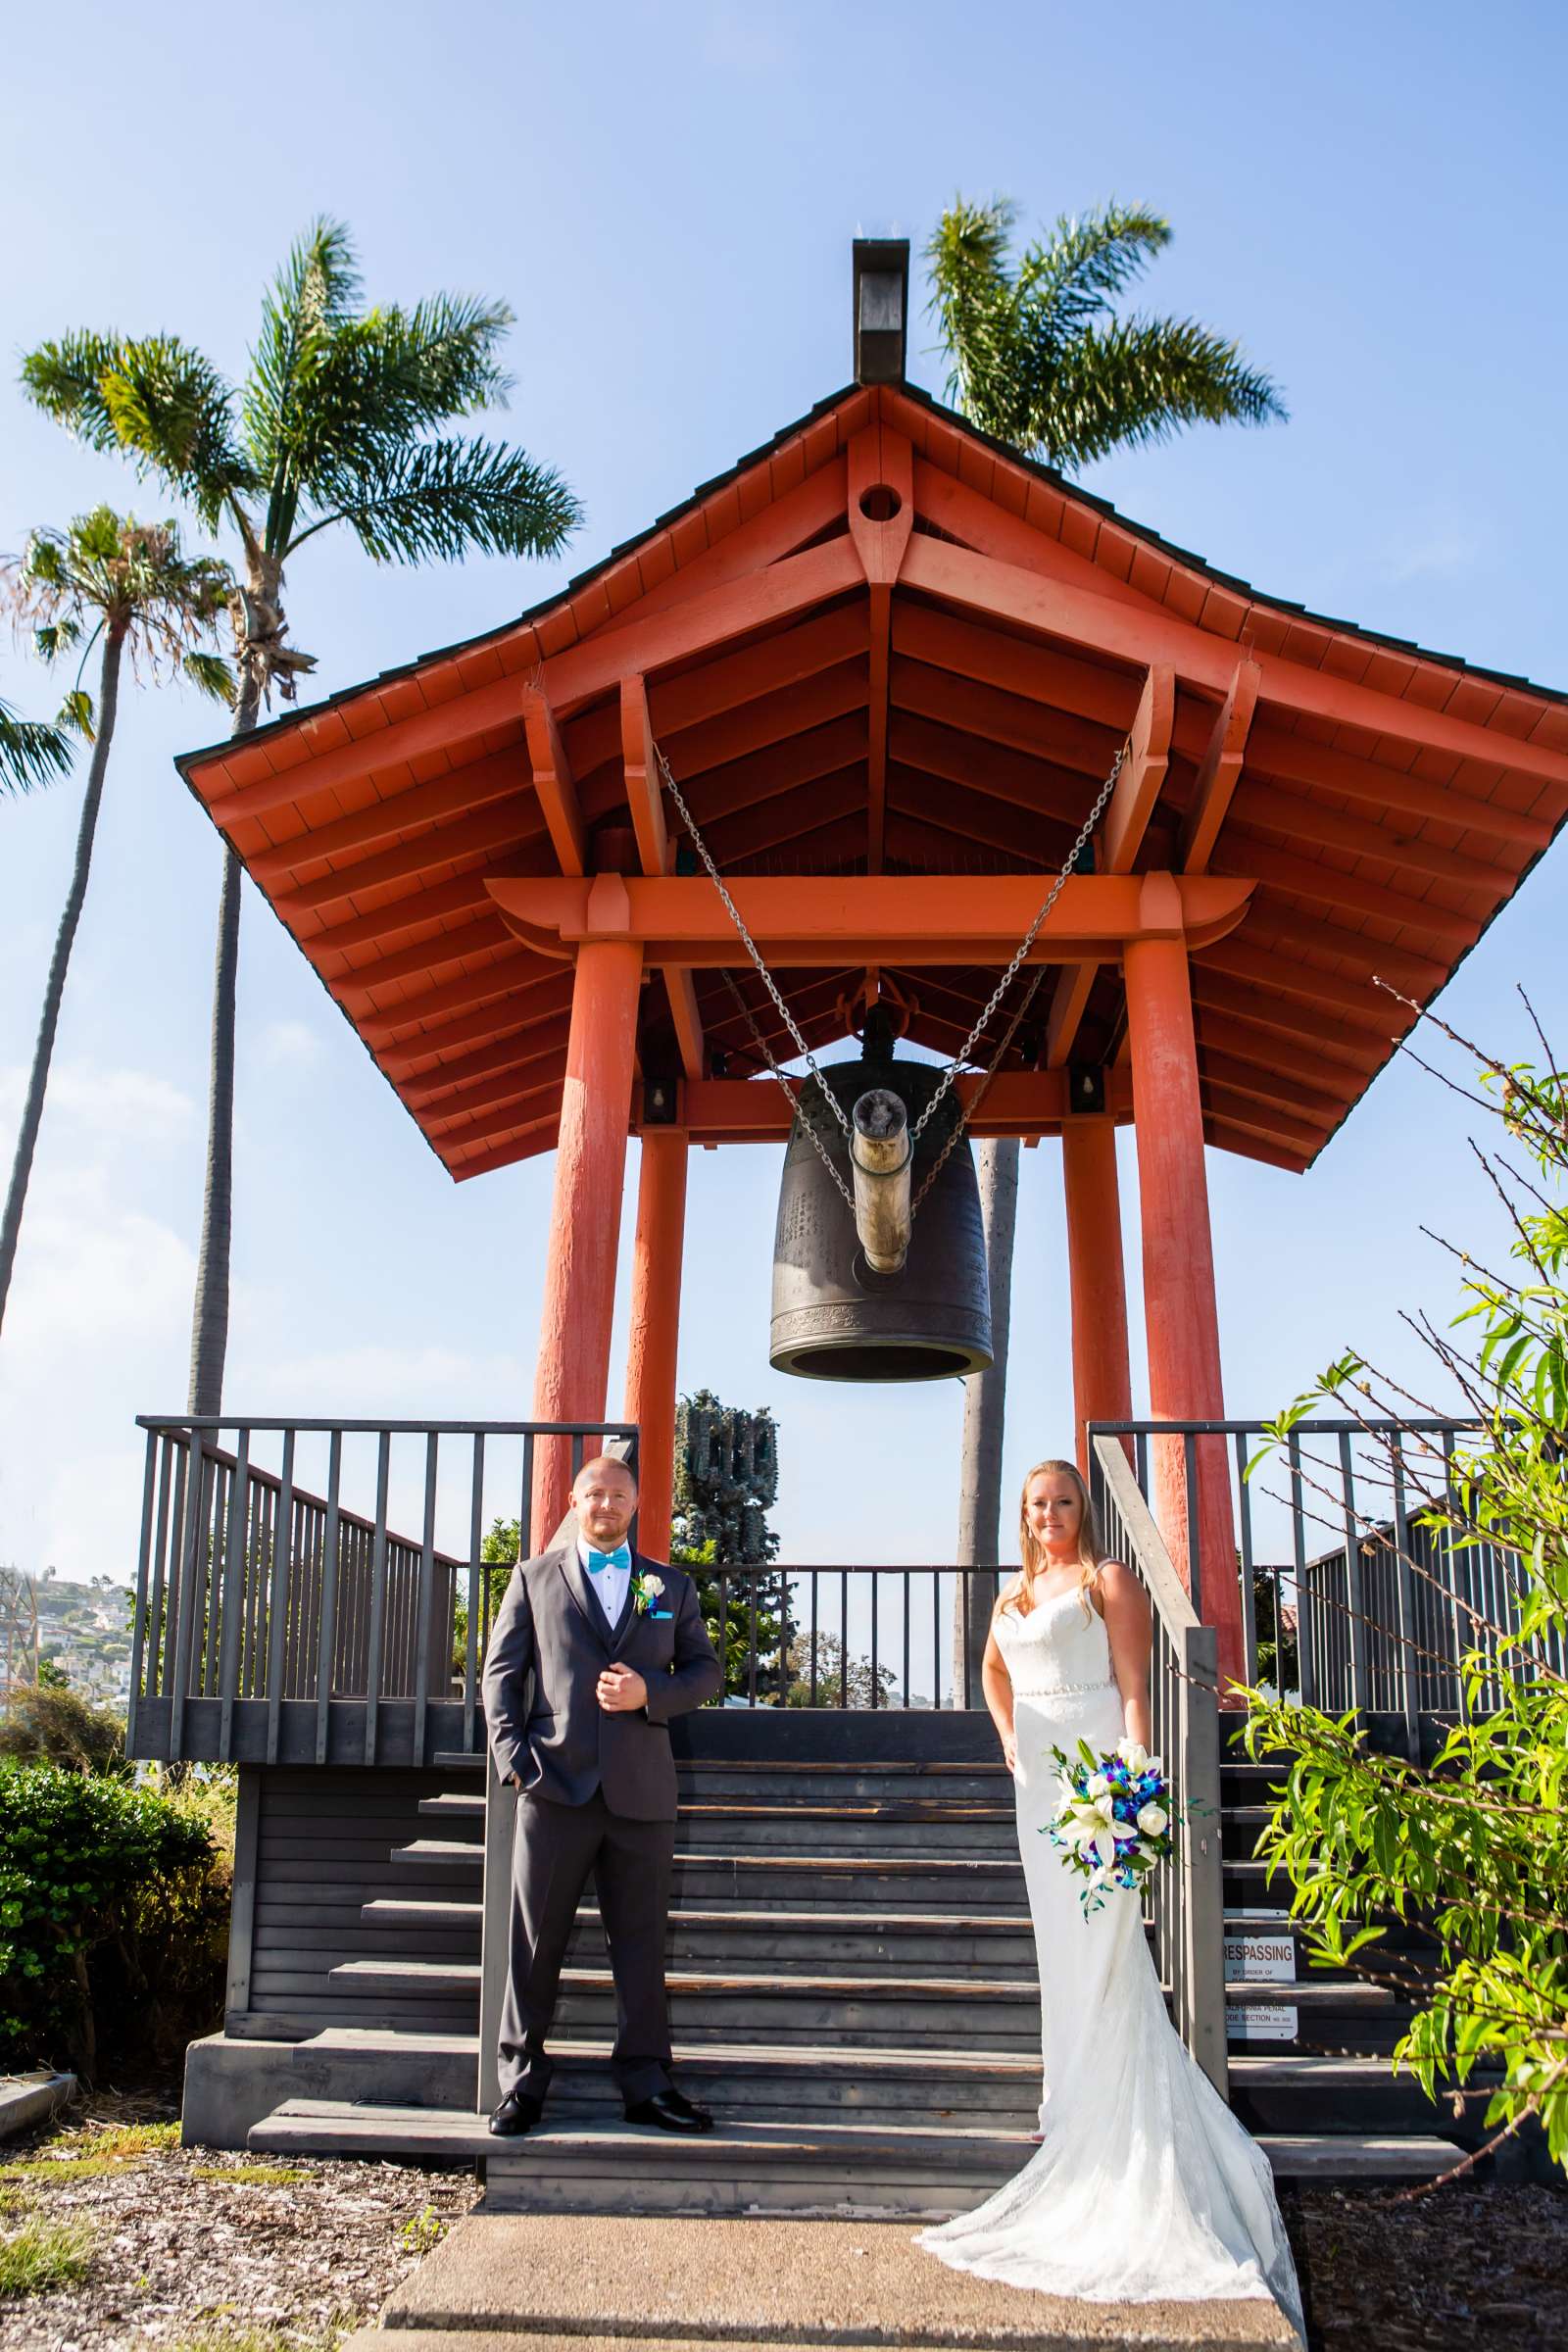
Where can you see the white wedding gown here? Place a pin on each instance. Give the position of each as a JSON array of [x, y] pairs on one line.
[[1146, 2189]]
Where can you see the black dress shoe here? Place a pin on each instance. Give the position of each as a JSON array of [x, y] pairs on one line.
[[518, 2113], [669, 2111]]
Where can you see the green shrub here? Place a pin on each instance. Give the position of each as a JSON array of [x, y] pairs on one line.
[[112, 1906], [49, 1723]]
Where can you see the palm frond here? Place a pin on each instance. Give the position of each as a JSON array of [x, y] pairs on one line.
[[445, 497], [1140, 381], [213, 674], [76, 712], [972, 300], [153, 399], [380, 381], [31, 753], [1075, 273], [314, 293], [131, 578], [65, 379]]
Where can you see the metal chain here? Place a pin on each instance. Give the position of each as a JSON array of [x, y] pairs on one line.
[[749, 944], [796, 1099]]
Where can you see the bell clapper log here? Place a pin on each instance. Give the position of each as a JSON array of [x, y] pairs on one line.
[[881, 1157]]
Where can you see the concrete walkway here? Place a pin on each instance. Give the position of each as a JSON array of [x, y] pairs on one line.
[[505, 2281]]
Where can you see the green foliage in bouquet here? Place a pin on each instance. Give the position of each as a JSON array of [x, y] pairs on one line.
[[1475, 1846]]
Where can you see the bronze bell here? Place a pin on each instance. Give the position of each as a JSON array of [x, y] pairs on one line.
[[834, 1318]]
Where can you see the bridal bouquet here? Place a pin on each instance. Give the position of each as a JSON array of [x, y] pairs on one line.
[[1113, 1818]]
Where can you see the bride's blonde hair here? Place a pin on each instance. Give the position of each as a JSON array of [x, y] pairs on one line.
[[1032, 1554]]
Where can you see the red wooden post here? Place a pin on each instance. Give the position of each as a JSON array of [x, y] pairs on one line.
[[573, 1364], [1101, 1381], [1179, 1303], [655, 1327]]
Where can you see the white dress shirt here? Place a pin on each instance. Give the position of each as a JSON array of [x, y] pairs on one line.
[[611, 1586]]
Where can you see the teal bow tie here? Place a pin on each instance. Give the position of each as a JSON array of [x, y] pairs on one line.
[[599, 1561]]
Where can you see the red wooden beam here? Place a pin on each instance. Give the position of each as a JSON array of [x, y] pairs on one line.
[[1288, 1019], [1120, 838], [791, 586], [881, 511], [723, 791], [495, 778], [756, 1109], [994, 716], [1142, 635], [645, 794], [1297, 760], [992, 768], [496, 979], [756, 726], [779, 528], [527, 1003], [772, 664], [1301, 817], [428, 956], [553, 783], [1240, 1041], [1307, 877], [1370, 1008], [916, 918], [514, 1052], [499, 829], [1219, 770], [787, 817]]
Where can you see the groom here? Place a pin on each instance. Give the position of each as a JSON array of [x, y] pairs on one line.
[[593, 1651]]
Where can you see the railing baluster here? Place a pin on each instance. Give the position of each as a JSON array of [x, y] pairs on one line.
[[1408, 1663], [814, 1636], [1195, 1561], [1453, 1564], [425, 1610], [138, 1619], [185, 1603], [1354, 1584], [331, 1539], [905, 1636], [1306, 1634], [373, 1661], [171, 1456], [222, 1473], [277, 1597], [876, 1684], [844, 1636], [936, 1637], [233, 1601], [1249, 1594], [471, 1652], [751, 1638]]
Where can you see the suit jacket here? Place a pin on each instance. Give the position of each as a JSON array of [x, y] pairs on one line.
[[548, 1647]]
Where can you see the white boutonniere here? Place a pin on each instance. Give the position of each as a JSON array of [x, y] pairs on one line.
[[644, 1590]]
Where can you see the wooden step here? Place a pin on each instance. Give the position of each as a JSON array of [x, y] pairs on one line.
[[759, 2165], [787, 2081], [460, 1807], [1309, 1992], [924, 1941], [455, 1975]]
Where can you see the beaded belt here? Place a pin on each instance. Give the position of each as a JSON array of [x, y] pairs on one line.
[[1064, 1691]]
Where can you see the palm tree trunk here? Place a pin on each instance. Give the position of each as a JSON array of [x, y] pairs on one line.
[[985, 1398], [55, 987], [209, 1330]]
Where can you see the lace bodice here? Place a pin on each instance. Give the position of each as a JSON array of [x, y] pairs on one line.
[[1061, 1646]]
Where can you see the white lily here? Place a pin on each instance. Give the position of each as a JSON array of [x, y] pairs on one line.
[[1097, 1785], [1066, 1794], [1098, 1832]]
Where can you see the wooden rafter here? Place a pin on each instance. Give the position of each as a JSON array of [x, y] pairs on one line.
[[1120, 838], [516, 1051], [988, 768], [1307, 877], [1219, 770], [881, 511], [1359, 999], [732, 681], [1300, 816], [554, 784], [497, 831], [480, 938], [495, 979], [772, 718], [723, 791], [1286, 1018], [1293, 758], [498, 777], [539, 999]]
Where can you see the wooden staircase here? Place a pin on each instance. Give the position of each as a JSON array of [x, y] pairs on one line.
[[853, 1991]]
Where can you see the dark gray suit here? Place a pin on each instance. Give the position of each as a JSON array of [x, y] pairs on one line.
[[598, 1795]]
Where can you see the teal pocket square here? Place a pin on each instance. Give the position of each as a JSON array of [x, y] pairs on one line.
[[657, 1614]]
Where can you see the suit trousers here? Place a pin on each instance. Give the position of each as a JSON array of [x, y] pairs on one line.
[[556, 1850]]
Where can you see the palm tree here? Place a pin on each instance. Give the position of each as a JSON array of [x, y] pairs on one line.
[[1038, 357], [128, 584], [31, 751], [334, 423]]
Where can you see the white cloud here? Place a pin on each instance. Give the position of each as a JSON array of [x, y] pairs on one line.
[[124, 1105]]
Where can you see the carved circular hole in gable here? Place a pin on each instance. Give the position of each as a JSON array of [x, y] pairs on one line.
[[880, 503]]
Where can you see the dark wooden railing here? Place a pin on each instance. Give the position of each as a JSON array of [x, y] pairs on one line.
[[1330, 1548], [1184, 1896], [277, 1623]]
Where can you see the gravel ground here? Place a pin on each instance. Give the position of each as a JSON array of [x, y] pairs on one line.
[[188, 2244], [189, 2248]]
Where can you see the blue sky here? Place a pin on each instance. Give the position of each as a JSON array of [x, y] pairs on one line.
[[666, 197]]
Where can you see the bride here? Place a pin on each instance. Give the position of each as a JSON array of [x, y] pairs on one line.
[[1145, 2187]]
